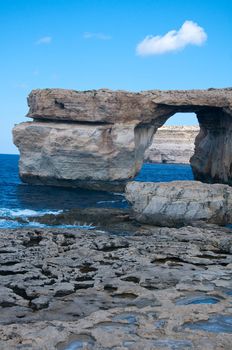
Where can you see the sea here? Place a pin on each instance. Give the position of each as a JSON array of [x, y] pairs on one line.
[[20, 201]]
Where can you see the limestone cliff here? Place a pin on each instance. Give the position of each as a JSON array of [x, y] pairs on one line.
[[77, 155], [97, 138], [172, 144]]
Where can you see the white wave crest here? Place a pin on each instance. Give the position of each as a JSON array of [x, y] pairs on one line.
[[6, 223], [24, 213]]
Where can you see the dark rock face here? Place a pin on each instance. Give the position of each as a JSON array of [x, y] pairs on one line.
[[97, 138], [212, 161]]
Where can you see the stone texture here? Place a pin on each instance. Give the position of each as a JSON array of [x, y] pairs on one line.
[[97, 138], [180, 202], [172, 144], [109, 106], [212, 160], [90, 156], [104, 106], [137, 292]]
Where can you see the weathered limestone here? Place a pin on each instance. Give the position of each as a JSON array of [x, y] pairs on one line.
[[109, 106], [212, 161], [104, 106], [71, 154], [172, 144], [180, 202], [156, 289], [97, 138]]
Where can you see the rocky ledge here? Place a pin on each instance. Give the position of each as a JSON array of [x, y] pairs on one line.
[[97, 138], [153, 288]]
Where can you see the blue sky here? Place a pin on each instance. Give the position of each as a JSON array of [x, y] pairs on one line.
[[90, 44]]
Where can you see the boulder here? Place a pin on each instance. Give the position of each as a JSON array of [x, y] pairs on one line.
[[180, 202]]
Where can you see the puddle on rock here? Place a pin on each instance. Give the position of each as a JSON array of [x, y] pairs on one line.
[[173, 344], [216, 324], [204, 299], [128, 344], [77, 342], [229, 292], [111, 327], [160, 324], [125, 295], [129, 318]]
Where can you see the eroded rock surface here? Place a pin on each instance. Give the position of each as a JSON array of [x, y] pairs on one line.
[[158, 288], [180, 202], [97, 138], [67, 154], [110, 106]]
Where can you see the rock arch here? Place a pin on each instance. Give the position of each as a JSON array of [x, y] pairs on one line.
[[97, 138]]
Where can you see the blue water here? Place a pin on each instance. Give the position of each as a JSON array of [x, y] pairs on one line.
[[21, 200], [215, 324], [204, 299], [164, 172]]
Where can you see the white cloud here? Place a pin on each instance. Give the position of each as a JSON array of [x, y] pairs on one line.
[[99, 36], [45, 40], [190, 33]]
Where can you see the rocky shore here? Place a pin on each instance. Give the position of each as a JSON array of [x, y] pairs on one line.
[[146, 288]]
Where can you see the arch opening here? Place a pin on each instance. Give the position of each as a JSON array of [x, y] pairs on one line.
[[212, 158], [173, 143], [168, 156]]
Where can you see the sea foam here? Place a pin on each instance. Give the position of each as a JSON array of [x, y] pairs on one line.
[[24, 213]]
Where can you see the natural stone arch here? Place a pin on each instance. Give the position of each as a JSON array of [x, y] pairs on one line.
[[212, 158], [97, 138]]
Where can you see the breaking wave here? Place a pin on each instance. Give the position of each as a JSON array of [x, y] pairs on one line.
[[24, 213], [14, 224]]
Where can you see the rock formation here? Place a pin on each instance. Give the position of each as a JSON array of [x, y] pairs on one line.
[[159, 288], [71, 154], [97, 138], [180, 202], [172, 144]]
